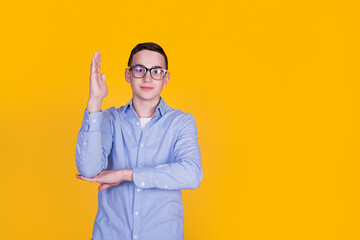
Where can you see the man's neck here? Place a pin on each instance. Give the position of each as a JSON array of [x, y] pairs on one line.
[[145, 108]]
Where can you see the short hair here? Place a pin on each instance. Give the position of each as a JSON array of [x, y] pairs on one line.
[[148, 46]]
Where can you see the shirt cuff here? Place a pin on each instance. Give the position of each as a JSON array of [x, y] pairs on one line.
[[92, 121], [144, 177]]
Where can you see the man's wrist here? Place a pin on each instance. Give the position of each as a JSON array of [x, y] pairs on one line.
[[130, 176], [126, 174], [94, 105]]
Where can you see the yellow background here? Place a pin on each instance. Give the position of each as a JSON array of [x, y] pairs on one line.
[[273, 85]]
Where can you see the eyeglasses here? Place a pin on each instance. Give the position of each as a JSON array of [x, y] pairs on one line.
[[140, 71]]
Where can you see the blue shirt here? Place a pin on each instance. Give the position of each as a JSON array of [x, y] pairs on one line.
[[165, 158]]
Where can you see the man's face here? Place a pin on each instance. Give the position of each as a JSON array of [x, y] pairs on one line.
[[147, 88]]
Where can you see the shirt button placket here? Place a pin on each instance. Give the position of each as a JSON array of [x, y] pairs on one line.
[[136, 213], [138, 197]]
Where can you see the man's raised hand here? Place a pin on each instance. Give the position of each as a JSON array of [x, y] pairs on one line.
[[98, 88]]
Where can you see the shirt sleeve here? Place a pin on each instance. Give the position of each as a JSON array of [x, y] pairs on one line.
[[93, 144], [185, 172]]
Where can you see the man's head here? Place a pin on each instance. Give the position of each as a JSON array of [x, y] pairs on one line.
[[148, 46], [147, 72]]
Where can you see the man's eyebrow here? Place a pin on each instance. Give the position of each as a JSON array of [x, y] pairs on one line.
[[139, 65], [157, 66]]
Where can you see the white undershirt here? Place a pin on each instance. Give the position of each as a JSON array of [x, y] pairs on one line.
[[143, 122]]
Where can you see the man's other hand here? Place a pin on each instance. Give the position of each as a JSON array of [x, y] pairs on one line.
[[109, 178]]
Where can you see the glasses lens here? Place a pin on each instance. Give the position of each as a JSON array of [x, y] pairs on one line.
[[157, 73], [138, 71]]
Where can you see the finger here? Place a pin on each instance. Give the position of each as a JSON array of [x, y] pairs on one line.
[[93, 179], [98, 65], [103, 77], [95, 58], [93, 65], [104, 186], [80, 177]]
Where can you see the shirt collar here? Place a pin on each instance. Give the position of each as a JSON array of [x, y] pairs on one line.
[[161, 107]]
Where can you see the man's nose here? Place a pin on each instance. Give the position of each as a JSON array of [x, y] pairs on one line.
[[147, 77]]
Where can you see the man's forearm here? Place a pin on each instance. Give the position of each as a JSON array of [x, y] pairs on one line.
[[93, 144]]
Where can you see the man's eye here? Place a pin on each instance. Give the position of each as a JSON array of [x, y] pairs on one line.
[[138, 69], [157, 71]]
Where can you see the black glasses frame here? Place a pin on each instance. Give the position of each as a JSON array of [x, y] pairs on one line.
[[147, 70]]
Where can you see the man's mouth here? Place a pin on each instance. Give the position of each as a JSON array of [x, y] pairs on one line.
[[146, 88]]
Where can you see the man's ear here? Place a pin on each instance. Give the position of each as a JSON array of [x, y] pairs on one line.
[[166, 78], [127, 75]]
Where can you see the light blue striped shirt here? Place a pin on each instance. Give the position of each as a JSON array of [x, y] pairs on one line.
[[165, 158]]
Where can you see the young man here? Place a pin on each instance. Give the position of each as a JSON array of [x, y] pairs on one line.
[[142, 154]]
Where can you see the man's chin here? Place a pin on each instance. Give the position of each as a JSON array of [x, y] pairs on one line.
[[147, 98]]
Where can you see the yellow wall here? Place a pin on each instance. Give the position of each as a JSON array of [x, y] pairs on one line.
[[273, 85]]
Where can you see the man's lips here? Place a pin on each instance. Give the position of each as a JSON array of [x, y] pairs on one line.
[[146, 88]]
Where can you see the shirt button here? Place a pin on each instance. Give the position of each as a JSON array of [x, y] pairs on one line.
[[138, 189], [135, 236], [137, 123], [166, 186], [136, 213], [141, 145], [142, 184], [94, 120], [84, 143], [140, 166]]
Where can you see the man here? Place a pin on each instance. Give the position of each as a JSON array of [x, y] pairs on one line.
[[142, 154]]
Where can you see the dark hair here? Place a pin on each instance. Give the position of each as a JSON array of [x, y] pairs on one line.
[[148, 46]]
